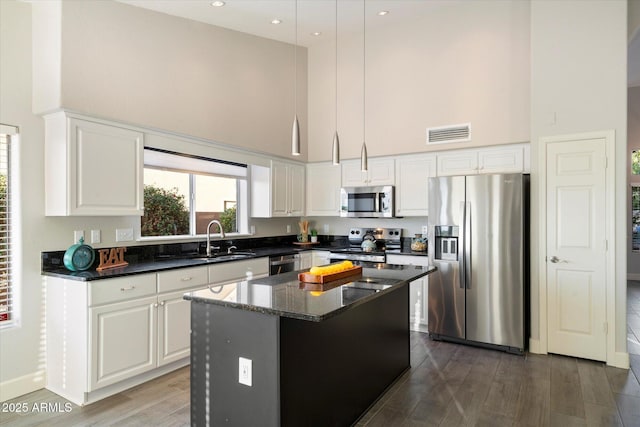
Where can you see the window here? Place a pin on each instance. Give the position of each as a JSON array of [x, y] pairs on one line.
[[6, 291], [182, 194], [635, 218], [635, 162]]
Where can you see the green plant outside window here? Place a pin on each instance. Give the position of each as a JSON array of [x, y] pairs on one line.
[[635, 162]]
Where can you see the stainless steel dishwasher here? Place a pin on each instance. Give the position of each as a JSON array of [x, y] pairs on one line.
[[284, 264]]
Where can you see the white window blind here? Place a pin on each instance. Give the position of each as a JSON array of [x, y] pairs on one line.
[[6, 294]]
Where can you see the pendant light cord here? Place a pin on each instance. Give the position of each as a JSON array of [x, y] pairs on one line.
[[364, 69], [336, 66], [295, 61]]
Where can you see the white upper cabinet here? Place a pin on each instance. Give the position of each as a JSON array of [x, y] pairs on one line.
[[501, 159], [277, 191], [412, 177], [92, 168], [323, 189], [381, 172]]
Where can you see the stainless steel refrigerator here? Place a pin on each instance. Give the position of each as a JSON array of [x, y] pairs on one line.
[[479, 240]]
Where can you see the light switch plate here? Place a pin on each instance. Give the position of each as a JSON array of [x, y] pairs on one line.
[[124, 234], [95, 236], [425, 230], [244, 371], [77, 234]]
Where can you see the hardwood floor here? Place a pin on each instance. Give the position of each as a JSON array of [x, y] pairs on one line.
[[448, 385]]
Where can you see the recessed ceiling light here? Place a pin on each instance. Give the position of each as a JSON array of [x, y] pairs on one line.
[[317, 33], [383, 12], [217, 3], [276, 21]]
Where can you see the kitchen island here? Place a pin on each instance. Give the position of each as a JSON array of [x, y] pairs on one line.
[[313, 358]]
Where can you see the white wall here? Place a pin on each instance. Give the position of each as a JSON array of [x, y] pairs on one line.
[[633, 258], [22, 348], [452, 62], [578, 84], [138, 66]]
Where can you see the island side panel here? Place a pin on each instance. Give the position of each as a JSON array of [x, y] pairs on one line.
[[219, 336], [332, 371]]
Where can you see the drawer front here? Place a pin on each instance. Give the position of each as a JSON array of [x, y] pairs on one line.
[[228, 271], [121, 288], [407, 260], [182, 278]]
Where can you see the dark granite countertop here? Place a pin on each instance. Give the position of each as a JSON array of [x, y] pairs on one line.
[[284, 295], [141, 262], [172, 263]]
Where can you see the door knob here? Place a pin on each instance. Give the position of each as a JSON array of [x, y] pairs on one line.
[[554, 259]]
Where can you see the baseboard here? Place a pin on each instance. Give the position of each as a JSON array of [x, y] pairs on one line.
[[633, 276], [619, 360], [535, 347], [18, 386]]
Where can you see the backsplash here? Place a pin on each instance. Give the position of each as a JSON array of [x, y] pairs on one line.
[[53, 260]]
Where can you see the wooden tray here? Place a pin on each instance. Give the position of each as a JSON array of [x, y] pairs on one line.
[[356, 270]]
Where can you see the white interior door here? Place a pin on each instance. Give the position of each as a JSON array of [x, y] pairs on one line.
[[576, 248]]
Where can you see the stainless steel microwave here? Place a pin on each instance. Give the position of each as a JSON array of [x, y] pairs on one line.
[[367, 202]]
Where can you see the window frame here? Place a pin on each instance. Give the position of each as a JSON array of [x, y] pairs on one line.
[[242, 191], [633, 186], [12, 136]]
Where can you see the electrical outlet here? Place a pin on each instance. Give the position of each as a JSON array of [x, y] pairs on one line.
[[325, 228], [425, 230], [77, 235], [124, 234], [95, 236], [253, 229], [288, 228], [244, 371]]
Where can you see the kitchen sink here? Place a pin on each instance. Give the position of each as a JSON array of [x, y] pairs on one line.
[[227, 257]]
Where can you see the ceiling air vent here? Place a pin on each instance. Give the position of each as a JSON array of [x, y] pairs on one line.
[[448, 134]]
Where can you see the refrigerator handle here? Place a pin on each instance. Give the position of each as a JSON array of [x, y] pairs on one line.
[[467, 245], [460, 249]]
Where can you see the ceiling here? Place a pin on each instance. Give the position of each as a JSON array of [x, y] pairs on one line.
[[255, 16]]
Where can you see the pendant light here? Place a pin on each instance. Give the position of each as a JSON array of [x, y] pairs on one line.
[[364, 161], [295, 132], [335, 151]]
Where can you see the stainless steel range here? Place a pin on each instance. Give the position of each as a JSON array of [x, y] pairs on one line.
[[384, 238]]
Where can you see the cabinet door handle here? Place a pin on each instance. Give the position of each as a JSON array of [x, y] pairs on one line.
[[186, 279], [130, 288]]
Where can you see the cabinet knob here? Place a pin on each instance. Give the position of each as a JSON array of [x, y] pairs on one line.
[[155, 305], [162, 303]]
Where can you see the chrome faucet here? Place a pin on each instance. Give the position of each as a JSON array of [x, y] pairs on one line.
[[215, 221], [230, 249]]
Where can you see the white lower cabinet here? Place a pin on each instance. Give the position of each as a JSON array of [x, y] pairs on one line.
[[117, 333], [306, 259], [320, 258], [247, 269], [174, 327], [123, 341], [418, 291]]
